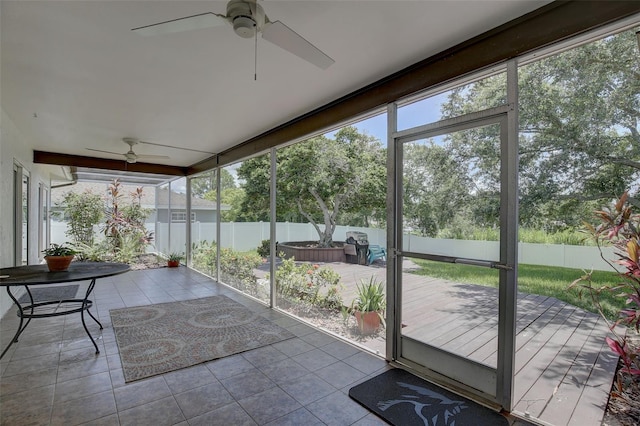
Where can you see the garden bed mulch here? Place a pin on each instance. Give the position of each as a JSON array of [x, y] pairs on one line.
[[330, 320], [148, 261]]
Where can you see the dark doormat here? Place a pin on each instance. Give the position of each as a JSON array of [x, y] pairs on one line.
[[401, 398], [45, 294]]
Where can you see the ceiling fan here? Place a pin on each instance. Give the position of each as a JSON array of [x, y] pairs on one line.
[[248, 19], [130, 156]]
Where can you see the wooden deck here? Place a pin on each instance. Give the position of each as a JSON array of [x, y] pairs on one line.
[[564, 369]]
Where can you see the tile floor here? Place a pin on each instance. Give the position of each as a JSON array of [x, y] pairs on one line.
[[52, 376]]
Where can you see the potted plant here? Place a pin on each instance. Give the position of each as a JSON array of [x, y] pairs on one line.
[[58, 257], [174, 259], [368, 306]]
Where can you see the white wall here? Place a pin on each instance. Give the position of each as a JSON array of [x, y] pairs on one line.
[[14, 146]]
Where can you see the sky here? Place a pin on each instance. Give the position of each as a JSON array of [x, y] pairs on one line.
[[412, 115]]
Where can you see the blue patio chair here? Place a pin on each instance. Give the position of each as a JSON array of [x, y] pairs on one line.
[[376, 252]]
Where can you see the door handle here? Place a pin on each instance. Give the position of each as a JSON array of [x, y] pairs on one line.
[[485, 263]]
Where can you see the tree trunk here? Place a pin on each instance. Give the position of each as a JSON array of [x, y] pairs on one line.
[[325, 237]]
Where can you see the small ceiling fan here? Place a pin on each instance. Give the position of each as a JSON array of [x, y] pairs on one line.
[[130, 156], [248, 19]]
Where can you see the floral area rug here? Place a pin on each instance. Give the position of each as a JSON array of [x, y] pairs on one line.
[[156, 339]]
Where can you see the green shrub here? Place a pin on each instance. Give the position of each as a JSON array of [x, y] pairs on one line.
[[127, 249], [566, 236], [308, 284], [333, 299], [264, 249], [304, 283], [525, 235], [97, 252], [82, 211], [203, 257], [236, 269]]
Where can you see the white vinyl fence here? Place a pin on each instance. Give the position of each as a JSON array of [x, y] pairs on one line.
[[244, 236]]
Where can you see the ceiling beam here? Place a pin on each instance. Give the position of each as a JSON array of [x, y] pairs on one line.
[[43, 157], [554, 22]]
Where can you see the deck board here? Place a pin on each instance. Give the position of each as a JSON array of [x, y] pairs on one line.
[[542, 391], [567, 396], [595, 393], [543, 359]]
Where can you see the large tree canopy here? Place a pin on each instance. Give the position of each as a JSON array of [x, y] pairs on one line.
[[579, 130], [206, 183], [435, 188], [321, 180]]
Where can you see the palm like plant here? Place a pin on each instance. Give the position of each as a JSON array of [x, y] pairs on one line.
[[371, 297]]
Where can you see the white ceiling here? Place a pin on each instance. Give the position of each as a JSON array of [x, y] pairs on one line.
[[91, 81]]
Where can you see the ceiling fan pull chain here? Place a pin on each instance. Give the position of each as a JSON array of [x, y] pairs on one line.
[[255, 58]]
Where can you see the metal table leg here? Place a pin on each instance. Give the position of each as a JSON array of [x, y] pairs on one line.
[[29, 313], [20, 326], [86, 304]]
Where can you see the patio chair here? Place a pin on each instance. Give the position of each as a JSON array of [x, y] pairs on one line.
[[376, 252]]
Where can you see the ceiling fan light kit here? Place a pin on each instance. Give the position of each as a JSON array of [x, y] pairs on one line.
[[244, 26], [245, 17], [131, 157]]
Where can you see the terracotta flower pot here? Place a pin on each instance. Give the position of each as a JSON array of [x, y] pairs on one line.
[[368, 322], [173, 263], [58, 263]]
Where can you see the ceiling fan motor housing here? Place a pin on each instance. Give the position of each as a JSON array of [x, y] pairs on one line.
[[244, 22]]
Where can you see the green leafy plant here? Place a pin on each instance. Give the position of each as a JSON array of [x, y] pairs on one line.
[[465, 231], [96, 252], [369, 303], [264, 249], [58, 250], [300, 283], [371, 297], [620, 227], [128, 248], [125, 224], [308, 283], [236, 269], [203, 257], [175, 257], [82, 211]]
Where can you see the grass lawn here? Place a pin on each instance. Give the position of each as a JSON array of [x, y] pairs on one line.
[[533, 279]]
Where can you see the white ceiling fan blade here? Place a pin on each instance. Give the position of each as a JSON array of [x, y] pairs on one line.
[[284, 37], [156, 157], [176, 147], [195, 22], [106, 152]]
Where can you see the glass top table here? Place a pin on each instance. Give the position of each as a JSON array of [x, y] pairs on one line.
[[29, 275]]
